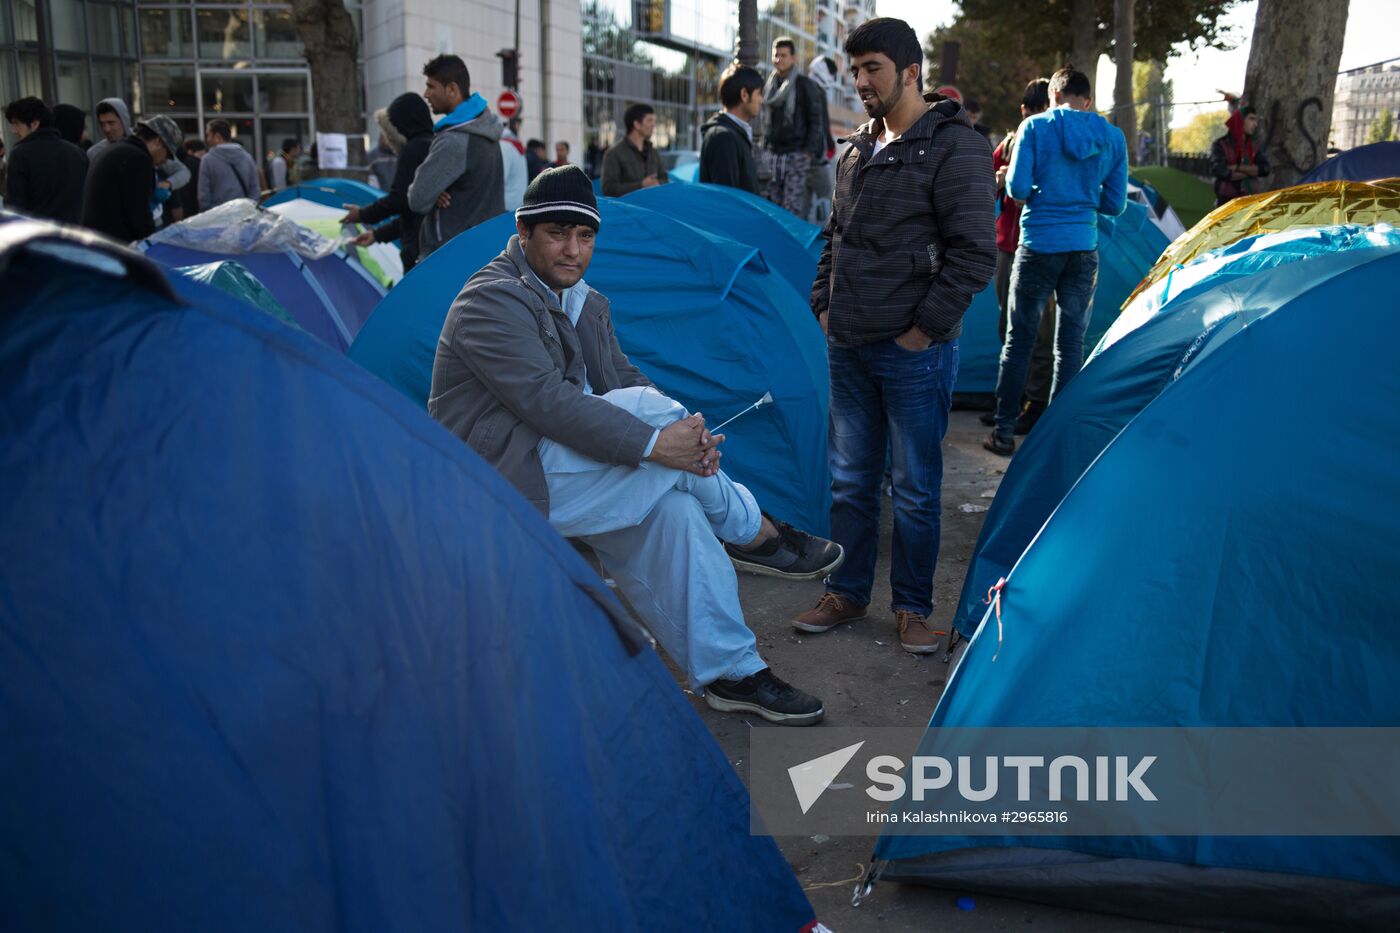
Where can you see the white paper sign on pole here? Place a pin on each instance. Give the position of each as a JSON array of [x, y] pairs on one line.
[[332, 150]]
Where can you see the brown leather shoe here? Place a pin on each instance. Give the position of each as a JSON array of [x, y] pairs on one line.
[[830, 611], [916, 634]]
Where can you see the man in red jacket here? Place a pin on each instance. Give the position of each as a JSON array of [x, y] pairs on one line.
[[1036, 99]]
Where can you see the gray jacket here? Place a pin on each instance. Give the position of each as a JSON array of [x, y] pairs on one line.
[[465, 161], [227, 173], [123, 114], [509, 370]]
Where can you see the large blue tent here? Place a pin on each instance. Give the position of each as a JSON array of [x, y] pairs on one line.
[[269, 653], [1217, 564], [702, 315], [1210, 300], [790, 245], [1364, 163], [1128, 246]]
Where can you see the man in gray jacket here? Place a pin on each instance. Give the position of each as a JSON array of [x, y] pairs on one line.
[[529, 373], [228, 172], [462, 181]]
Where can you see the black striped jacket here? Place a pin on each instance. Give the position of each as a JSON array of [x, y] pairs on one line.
[[912, 235]]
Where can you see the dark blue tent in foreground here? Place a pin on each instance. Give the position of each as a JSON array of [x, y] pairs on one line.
[[1364, 163], [702, 315], [273, 660], [1229, 559]]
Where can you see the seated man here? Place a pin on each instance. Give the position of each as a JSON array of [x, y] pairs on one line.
[[529, 373]]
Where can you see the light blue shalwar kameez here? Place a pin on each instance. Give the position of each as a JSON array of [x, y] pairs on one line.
[[655, 529]]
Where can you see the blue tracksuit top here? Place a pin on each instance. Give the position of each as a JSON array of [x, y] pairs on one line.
[[1069, 167]]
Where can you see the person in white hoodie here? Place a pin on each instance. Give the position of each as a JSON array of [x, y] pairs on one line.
[[516, 172]]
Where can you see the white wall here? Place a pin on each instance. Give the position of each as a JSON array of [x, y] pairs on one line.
[[401, 35]]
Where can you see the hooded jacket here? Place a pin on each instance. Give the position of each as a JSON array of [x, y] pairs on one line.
[[1232, 149], [117, 196], [46, 176], [227, 174], [510, 370], [70, 122], [911, 236], [464, 160], [726, 154], [103, 144], [412, 121], [1069, 166]]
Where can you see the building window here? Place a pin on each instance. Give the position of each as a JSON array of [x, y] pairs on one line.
[[223, 34]]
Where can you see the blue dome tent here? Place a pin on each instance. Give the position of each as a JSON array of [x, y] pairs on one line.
[[328, 293], [1211, 299], [1364, 163], [1128, 246], [1218, 564], [790, 246], [701, 315], [258, 622]]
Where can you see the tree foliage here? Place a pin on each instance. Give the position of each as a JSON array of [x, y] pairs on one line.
[[1195, 137], [1150, 84], [993, 70], [1383, 129], [1041, 28]]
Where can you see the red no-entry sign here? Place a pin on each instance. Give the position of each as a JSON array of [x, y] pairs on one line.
[[508, 104]]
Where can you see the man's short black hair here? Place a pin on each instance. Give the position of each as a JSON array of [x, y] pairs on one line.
[[28, 110], [535, 144], [635, 114], [785, 42], [194, 145], [290, 143], [564, 143], [221, 129], [736, 79], [1071, 82], [971, 105], [1037, 95], [105, 108], [449, 69], [888, 36]]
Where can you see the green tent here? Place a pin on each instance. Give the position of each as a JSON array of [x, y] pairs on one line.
[[1190, 197], [232, 278]]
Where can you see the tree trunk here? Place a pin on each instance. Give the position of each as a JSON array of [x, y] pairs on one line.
[[1124, 113], [747, 50], [1290, 80], [1083, 37], [327, 34]]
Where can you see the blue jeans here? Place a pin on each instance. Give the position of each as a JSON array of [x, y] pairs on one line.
[[881, 392], [1035, 277]]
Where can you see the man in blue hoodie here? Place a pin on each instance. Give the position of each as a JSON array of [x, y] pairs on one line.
[[1070, 166]]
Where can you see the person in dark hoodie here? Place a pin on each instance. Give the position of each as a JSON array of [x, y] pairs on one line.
[[1070, 166], [410, 118], [122, 183], [910, 240], [71, 123], [726, 146], [462, 181], [46, 171]]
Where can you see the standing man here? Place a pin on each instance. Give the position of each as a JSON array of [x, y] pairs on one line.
[[112, 121], [529, 373], [794, 135], [1070, 165], [122, 183], [536, 159], [910, 240], [561, 153], [461, 182], [228, 172], [1036, 99], [1235, 161], [726, 150], [633, 161], [283, 165], [46, 172], [409, 117]]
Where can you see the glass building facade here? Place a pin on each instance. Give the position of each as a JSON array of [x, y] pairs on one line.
[[84, 50]]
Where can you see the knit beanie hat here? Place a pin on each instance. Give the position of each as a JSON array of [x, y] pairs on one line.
[[562, 195]]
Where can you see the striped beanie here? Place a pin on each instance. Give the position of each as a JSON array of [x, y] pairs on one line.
[[562, 195]]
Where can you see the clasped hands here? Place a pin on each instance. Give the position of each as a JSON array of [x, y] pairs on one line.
[[687, 445]]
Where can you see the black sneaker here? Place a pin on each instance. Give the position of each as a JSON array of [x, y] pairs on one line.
[[1029, 417], [763, 693], [791, 554], [1001, 446], [988, 418]]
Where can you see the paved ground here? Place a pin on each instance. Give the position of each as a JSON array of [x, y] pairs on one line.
[[865, 679]]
